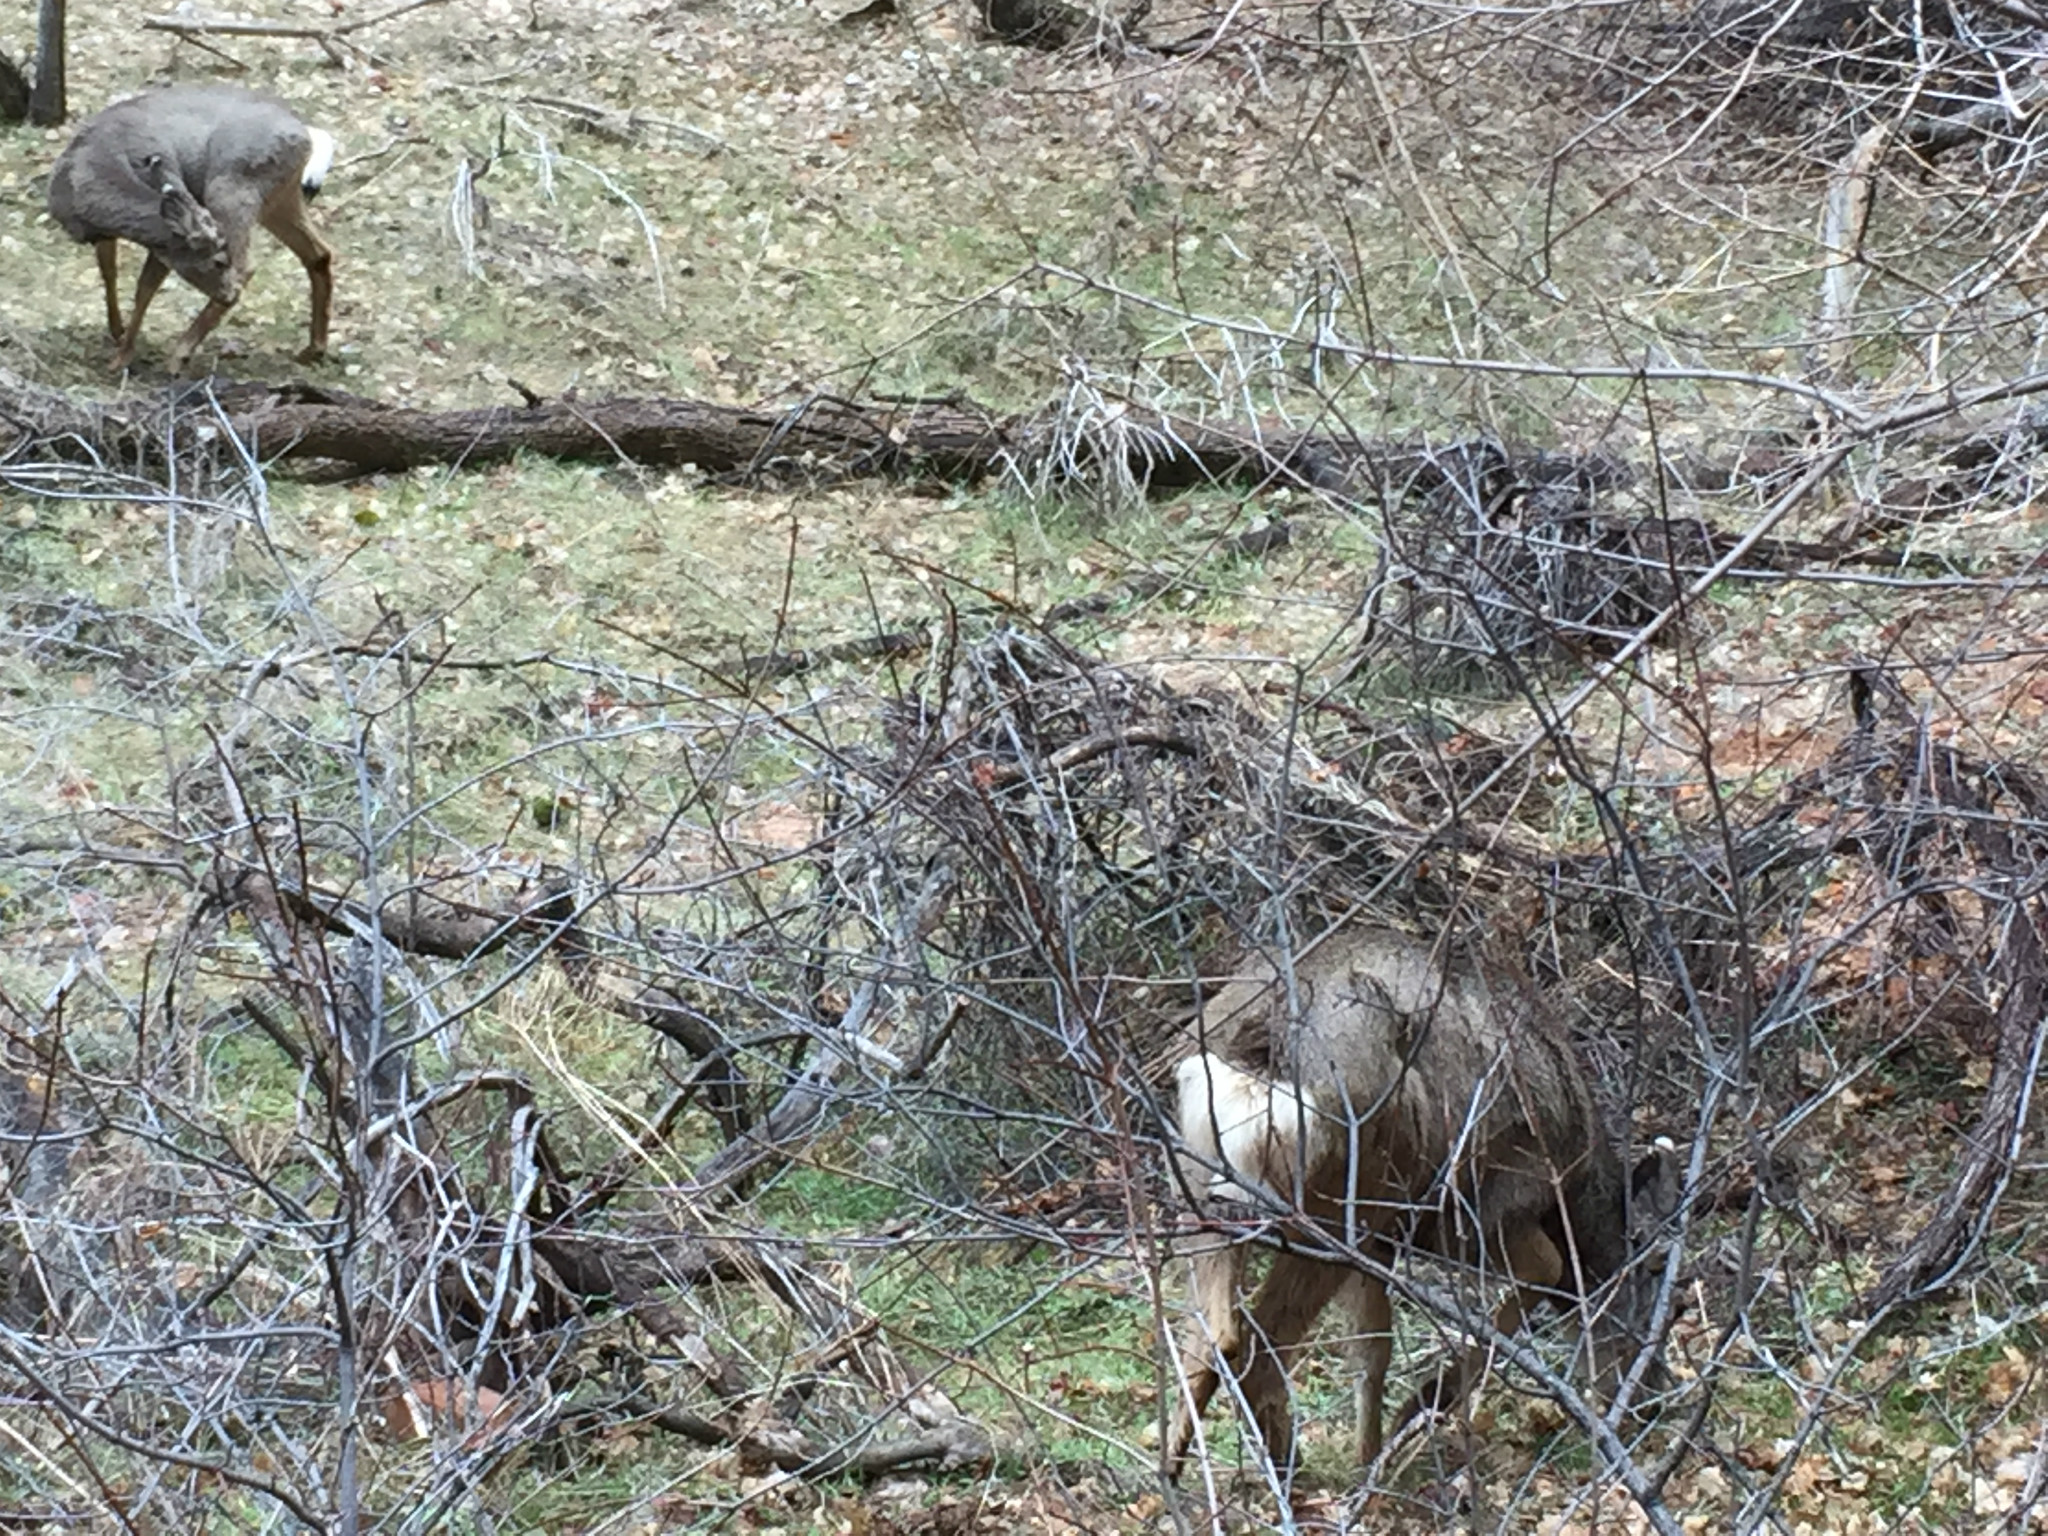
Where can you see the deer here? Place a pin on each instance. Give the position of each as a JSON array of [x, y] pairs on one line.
[[1388, 1095], [187, 172]]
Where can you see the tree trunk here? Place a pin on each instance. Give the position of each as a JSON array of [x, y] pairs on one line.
[[13, 92], [46, 99]]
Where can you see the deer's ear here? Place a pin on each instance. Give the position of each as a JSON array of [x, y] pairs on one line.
[[188, 221]]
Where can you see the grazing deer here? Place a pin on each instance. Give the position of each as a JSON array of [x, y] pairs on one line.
[[1394, 1099], [187, 173]]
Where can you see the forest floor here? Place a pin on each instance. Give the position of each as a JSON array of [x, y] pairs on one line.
[[755, 204]]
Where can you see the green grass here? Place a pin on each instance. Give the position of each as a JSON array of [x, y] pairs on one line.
[[826, 1202], [1039, 1344]]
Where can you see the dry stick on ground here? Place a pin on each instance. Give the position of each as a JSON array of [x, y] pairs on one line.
[[949, 1446], [775, 665], [851, 1339], [583, 1263], [419, 924], [196, 27], [1076, 754], [624, 127], [410, 921], [1847, 216]]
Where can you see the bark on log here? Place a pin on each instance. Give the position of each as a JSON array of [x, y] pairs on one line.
[[719, 439], [960, 1443], [310, 427], [313, 431]]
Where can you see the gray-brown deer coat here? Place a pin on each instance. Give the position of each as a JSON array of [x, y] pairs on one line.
[[187, 173], [1395, 1096]]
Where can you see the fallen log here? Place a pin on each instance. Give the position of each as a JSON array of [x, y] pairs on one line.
[[315, 430]]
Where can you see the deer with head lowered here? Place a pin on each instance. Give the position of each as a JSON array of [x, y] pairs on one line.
[[187, 173], [1389, 1097]]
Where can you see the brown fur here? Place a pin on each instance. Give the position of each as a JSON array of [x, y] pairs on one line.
[[1440, 1107]]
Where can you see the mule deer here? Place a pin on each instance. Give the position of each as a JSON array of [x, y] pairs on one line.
[[187, 173], [1393, 1099]]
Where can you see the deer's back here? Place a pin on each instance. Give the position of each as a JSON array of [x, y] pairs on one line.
[[109, 180], [1443, 1079]]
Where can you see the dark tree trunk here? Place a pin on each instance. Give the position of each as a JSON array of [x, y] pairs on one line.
[[13, 92], [46, 100]]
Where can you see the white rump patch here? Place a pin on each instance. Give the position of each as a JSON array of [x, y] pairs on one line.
[[319, 163], [1252, 1126]]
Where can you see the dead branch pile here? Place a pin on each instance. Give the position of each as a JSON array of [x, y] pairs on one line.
[[1919, 930], [1492, 561], [1940, 77], [1105, 827]]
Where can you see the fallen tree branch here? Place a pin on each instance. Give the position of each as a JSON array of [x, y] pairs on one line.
[[409, 920], [1931, 136], [800, 1111], [1077, 754], [776, 665], [197, 26], [1851, 190], [962, 1443]]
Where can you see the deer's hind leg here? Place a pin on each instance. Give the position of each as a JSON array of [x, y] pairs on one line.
[[1214, 1332], [1369, 1346], [1296, 1290], [284, 215], [154, 271]]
